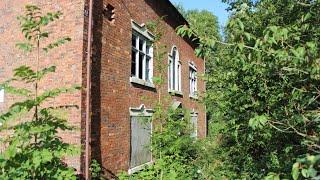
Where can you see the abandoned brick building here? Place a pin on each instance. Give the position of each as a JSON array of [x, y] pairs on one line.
[[123, 68]]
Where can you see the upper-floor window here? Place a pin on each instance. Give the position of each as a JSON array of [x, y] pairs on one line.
[[174, 73], [193, 80], [141, 58], [141, 55]]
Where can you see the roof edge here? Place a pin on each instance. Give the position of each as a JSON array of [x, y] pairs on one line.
[[181, 16]]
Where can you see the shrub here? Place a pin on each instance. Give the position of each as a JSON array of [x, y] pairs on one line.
[[33, 148]]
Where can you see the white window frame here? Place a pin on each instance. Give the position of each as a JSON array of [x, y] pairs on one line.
[[142, 34], [194, 134], [193, 81], [142, 111], [174, 72], [1, 95]]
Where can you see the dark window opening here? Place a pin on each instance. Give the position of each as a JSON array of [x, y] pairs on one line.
[[109, 12], [133, 63], [141, 56], [140, 44], [134, 40]]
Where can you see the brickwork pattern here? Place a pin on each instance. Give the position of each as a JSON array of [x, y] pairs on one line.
[[67, 58], [112, 93], [111, 122]]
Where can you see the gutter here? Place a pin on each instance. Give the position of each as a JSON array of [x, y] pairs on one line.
[[88, 93]]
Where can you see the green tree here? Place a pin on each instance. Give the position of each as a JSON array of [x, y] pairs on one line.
[[264, 87], [203, 23], [33, 149]]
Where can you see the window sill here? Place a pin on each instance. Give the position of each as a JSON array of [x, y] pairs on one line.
[[174, 92], [193, 96], [139, 168], [141, 82]]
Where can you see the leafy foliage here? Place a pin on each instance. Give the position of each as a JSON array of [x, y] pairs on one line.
[[265, 86], [96, 170], [33, 148], [173, 148], [204, 24]]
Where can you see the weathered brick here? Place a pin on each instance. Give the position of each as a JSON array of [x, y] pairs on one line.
[[112, 93]]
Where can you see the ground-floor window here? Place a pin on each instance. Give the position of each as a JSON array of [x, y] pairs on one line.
[[194, 124], [141, 129]]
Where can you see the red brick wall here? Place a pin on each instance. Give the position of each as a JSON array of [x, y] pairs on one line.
[[113, 94], [67, 58]]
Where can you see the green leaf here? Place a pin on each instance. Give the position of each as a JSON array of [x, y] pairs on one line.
[[57, 43], [258, 122], [272, 176], [15, 91], [45, 71], [247, 35], [240, 23], [25, 73], [295, 171], [305, 173], [25, 46]]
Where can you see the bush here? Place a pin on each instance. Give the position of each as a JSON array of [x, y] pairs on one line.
[[264, 86]]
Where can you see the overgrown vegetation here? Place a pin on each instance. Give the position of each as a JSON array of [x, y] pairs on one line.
[[262, 96], [264, 87], [33, 149]]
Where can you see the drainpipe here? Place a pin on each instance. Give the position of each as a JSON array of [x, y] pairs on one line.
[[88, 93]]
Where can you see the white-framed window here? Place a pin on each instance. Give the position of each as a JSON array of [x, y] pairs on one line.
[[1, 95], [141, 129], [174, 71], [194, 124], [193, 80], [141, 55]]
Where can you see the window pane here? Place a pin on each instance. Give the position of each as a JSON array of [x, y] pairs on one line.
[[169, 73], [178, 77], [141, 44], [141, 56], [140, 140], [133, 63], [174, 54], [190, 81], [147, 69], [148, 50], [174, 74], [134, 40]]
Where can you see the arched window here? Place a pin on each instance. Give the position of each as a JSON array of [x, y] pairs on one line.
[[174, 71]]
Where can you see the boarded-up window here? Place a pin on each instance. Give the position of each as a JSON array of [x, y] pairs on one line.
[[194, 124], [140, 141]]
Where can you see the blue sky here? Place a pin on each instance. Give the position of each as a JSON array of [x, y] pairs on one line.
[[215, 6]]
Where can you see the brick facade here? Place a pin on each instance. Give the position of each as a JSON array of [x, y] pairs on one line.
[[112, 92], [112, 58], [67, 58]]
